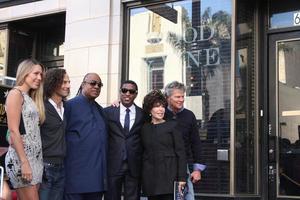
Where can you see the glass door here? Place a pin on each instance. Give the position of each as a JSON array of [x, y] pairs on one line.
[[284, 112]]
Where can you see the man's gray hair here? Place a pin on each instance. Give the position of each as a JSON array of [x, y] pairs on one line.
[[168, 90]]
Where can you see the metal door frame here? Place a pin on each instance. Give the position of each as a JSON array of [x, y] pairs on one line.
[[273, 144]]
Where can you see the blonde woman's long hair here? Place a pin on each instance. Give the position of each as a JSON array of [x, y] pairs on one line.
[[24, 68]]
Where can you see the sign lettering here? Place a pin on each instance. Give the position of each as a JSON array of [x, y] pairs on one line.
[[297, 19]]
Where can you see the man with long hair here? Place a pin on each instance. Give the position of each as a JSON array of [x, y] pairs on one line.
[[56, 89]]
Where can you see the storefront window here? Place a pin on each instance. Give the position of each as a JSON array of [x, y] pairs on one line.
[[39, 37], [189, 41], [245, 100], [3, 51]]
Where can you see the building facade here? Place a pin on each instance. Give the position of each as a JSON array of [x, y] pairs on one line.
[[238, 59]]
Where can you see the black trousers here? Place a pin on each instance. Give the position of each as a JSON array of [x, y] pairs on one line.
[[123, 179], [161, 197]]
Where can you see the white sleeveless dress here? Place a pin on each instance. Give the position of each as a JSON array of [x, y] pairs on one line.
[[32, 147]]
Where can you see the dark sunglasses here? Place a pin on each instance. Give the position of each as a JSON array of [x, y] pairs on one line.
[[124, 91], [94, 83]]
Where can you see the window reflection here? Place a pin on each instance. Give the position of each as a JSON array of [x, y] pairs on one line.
[[189, 41], [246, 142], [289, 117], [156, 72], [3, 51], [281, 20]]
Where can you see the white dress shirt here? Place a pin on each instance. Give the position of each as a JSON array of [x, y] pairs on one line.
[[59, 109], [131, 115]]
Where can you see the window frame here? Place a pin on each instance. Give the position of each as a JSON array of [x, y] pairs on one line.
[[7, 3], [131, 4]]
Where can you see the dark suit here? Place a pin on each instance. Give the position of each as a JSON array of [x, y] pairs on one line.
[[124, 155]]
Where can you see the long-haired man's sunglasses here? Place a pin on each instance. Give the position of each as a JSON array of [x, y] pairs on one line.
[[124, 91]]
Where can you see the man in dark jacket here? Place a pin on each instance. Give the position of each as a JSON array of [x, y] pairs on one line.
[[124, 146], [56, 89], [187, 125], [86, 138]]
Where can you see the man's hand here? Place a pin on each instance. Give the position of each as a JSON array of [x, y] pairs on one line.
[[115, 103], [196, 176]]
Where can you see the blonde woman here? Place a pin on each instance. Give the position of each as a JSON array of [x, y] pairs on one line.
[[25, 111]]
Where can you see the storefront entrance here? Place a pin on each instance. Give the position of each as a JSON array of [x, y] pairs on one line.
[[284, 112]]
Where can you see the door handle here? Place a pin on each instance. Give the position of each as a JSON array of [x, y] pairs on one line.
[[272, 149]]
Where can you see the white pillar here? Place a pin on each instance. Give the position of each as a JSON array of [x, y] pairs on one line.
[[93, 44]]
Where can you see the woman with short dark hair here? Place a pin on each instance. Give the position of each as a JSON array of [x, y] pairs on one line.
[[164, 159]]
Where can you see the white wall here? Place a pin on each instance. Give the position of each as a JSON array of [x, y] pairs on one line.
[[93, 44], [92, 39], [31, 10]]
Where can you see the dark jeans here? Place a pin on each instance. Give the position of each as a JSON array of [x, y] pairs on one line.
[[52, 187], [84, 196]]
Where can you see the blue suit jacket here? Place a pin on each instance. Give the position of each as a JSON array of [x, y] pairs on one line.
[[86, 138]]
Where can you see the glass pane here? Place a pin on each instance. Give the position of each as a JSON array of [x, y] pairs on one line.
[[190, 41], [289, 117], [282, 15], [156, 71], [3, 51], [245, 98], [52, 44]]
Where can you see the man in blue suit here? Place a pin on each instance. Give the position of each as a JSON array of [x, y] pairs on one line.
[[124, 146], [86, 138]]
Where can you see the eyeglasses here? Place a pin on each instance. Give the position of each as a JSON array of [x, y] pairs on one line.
[[124, 91], [94, 83]]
